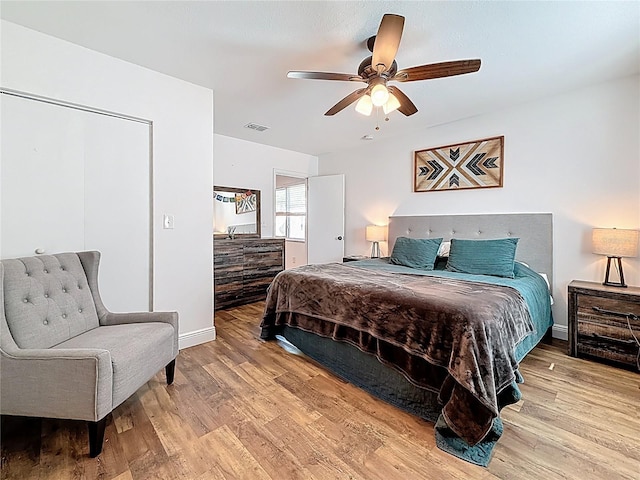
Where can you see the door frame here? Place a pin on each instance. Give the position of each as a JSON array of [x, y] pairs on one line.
[[286, 173]]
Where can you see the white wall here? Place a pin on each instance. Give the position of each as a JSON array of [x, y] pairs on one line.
[[575, 155], [182, 116], [243, 164], [295, 254]]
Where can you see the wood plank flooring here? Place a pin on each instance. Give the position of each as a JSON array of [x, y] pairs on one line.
[[241, 408]]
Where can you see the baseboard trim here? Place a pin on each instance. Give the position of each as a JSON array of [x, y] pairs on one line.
[[561, 332], [191, 339]]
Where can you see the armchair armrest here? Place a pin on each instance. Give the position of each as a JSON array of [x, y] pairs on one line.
[[56, 383], [111, 318], [90, 262]]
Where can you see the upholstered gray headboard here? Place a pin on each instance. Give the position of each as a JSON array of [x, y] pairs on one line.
[[535, 231]]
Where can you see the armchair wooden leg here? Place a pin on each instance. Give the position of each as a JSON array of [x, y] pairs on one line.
[[170, 369], [96, 436]]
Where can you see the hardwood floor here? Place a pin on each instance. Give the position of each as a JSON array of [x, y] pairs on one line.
[[241, 408]]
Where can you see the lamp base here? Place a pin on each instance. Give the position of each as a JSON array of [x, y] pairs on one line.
[[375, 250], [606, 276]]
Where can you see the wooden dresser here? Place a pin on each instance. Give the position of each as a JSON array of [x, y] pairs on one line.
[[243, 269], [601, 321]]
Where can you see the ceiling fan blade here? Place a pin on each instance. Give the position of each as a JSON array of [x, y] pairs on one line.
[[347, 77], [346, 101], [406, 106], [387, 42], [437, 70]]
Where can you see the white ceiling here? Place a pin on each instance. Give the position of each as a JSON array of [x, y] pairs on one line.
[[243, 50]]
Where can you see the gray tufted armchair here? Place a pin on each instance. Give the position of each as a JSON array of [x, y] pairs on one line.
[[63, 354]]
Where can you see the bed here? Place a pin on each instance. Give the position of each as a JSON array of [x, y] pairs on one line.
[[443, 345]]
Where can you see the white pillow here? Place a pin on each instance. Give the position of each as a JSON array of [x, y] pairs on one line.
[[546, 279], [443, 251]]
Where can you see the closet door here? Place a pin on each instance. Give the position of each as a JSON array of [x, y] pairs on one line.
[[73, 180], [41, 178], [117, 209]]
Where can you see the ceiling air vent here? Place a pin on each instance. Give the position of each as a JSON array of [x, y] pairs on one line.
[[257, 127]]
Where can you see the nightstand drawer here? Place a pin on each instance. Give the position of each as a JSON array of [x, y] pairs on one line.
[[603, 321], [608, 311], [609, 352], [604, 328], [607, 332]]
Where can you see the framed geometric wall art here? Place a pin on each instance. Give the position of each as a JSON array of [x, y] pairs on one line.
[[476, 164], [246, 202]]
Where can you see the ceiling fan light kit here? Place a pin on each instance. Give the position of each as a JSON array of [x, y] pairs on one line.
[[392, 104], [379, 92], [380, 68], [364, 105]]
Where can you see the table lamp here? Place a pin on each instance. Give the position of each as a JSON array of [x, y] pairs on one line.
[[615, 243], [375, 234]]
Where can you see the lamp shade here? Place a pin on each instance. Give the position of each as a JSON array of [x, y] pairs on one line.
[[379, 95], [615, 242], [364, 105], [391, 105], [376, 233]]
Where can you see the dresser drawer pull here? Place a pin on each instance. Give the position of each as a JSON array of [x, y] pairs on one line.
[[611, 339], [615, 314]]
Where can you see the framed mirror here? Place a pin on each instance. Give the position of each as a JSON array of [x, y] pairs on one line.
[[236, 212]]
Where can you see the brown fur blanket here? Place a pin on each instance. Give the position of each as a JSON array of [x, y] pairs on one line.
[[453, 336]]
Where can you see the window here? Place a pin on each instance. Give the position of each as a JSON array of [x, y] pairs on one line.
[[291, 211]]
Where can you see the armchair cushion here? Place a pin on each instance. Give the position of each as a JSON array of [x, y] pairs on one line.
[[47, 300], [138, 351]]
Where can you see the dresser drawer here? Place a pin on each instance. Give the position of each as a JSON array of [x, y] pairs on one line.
[[244, 268]]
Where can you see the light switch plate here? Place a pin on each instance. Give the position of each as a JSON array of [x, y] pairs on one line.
[[167, 221]]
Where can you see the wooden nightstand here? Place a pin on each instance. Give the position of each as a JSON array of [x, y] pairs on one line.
[[599, 321]]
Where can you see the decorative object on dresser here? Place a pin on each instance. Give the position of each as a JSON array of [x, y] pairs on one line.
[[375, 234], [615, 243], [476, 164], [604, 323], [243, 269]]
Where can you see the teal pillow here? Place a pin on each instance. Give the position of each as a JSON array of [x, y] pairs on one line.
[[415, 252], [483, 257]]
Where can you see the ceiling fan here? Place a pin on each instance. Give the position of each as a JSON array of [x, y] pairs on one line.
[[380, 68]]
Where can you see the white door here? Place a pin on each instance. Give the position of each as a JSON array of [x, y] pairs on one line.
[[325, 219], [73, 180], [42, 178]]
